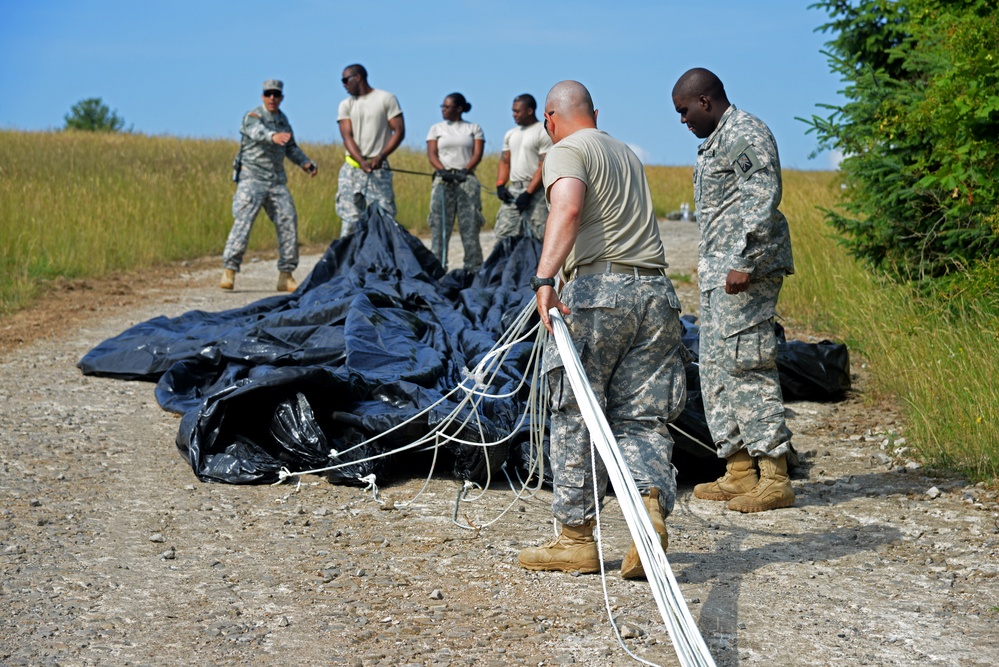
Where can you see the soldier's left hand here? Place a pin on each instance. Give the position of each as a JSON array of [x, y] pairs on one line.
[[523, 201], [736, 282], [311, 169]]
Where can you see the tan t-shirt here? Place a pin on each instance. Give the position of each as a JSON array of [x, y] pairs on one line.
[[526, 146], [455, 141], [369, 116], [618, 223]]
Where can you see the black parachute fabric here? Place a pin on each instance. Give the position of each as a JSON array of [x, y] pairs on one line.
[[375, 335], [371, 338]]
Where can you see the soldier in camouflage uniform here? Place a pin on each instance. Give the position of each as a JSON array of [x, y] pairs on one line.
[[266, 140], [623, 317], [454, 149], [743, 256], [518, 179], [372, 128]]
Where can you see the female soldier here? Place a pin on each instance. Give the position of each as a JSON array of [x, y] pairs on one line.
[[454, 149]]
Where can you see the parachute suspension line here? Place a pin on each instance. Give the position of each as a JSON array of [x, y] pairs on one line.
[[691, 650], [474, 388]]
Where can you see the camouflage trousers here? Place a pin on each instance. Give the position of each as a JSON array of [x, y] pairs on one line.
[[275, 199], [357, 189], [464, 202], [510, 222], [627, 332], [738, 367]]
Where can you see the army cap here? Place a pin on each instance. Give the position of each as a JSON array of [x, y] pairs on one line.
[[274, 84]]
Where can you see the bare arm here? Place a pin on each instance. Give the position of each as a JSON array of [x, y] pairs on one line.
[[478, 147], [347, 133], [535, 183], [398, 126], [566, 196], [435, 160], [503, 173]]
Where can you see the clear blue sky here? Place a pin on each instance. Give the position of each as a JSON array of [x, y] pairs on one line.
[[193, 68]]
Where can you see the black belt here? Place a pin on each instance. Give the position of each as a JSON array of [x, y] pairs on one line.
[[596, 268]]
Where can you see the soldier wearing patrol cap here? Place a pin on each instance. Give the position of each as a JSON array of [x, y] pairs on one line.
[[266, 140], [743, 256]]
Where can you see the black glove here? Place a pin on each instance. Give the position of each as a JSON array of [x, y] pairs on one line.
[[523, 201], [504, 194], [445, 175], [460, 175]]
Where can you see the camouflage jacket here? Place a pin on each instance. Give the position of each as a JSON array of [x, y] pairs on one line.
[[263, 160], [737, 189]]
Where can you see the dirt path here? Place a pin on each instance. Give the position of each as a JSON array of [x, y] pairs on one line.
[[112, 553]]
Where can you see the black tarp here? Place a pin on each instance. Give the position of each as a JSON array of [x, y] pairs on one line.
[[375, 334]]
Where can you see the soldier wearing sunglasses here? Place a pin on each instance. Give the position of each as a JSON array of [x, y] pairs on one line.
[[266, 140]]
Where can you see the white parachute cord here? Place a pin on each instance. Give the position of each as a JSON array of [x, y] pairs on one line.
[[600, 555], [510, 337], [694, 439], [691, 650], [372, 486]]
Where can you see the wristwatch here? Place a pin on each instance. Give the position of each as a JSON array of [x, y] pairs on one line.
[[538, 282]]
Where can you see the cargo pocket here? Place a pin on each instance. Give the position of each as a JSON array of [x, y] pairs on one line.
[[752, 349]]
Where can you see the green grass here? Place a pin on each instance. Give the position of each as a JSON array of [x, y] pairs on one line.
[[85, 205]]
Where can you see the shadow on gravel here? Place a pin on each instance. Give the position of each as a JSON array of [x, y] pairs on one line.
[[719, 618]]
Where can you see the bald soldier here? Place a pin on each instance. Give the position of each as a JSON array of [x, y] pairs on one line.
[[602, 238], [743, 255]]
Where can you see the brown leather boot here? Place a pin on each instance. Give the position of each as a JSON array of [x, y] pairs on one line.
[[740, 477], [286, 283], [631, 566], [228, 279], [574, 549], [773, 491]]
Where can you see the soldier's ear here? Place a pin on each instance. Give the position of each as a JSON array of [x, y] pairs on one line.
[[704, 102]]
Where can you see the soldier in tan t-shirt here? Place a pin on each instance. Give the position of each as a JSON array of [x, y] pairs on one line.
[[623, 317], [372, 127]]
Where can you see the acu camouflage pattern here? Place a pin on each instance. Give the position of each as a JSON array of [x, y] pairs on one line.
[[627, 331], [738, 369], [510, 222], [737, 189], [251, 195], [262, 159], [461, 200], [357, 189]]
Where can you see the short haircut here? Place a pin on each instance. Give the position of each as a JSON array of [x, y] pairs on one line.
[[527, 100], [357, 68]]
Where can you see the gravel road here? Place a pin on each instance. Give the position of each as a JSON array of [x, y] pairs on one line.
[[112, 553]]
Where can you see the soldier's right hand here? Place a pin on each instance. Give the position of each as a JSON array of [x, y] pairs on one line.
[[281, 138], [504, 194]]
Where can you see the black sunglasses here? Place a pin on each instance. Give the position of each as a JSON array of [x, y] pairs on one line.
[[273, 93], [546, 114], [347, 78]]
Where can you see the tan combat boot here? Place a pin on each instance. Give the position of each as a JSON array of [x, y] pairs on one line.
[[631, 566], [228, 279], [773, 491], [574, 549], [286, 283], [740, 477]]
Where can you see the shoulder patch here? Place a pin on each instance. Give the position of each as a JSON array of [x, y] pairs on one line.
[[255, 115], [746, 161]]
